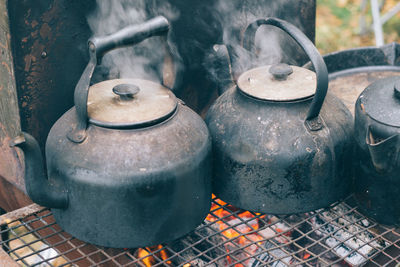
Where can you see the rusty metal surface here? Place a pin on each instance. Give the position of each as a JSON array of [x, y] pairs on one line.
[[10, 165], [49, 42], [19, 213]]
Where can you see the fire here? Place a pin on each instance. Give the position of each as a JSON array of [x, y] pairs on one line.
[[145, 255], [231, 226], [234, 229]]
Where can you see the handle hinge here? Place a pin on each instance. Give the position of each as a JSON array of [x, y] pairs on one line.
[[314, 124]]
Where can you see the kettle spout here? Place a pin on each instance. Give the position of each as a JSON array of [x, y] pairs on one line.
[[37, 185], [223, 68], [384, 153]]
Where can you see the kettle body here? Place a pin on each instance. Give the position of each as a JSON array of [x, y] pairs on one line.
[[266, 160], [126, 188], [277, 154], [126, 161], [377, 164]]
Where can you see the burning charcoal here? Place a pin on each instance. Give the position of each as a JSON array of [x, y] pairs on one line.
[[325, 257], [200, 263], [191, 255], [241, 243], [280, 231], [274, 257], [347, 240]]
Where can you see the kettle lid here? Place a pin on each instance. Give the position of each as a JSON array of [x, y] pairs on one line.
[[381, 101], [280, 82], [129, 103]]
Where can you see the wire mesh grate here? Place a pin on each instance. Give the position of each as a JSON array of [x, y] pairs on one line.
[[337, 236]]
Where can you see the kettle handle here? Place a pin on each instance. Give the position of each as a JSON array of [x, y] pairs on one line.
[[311, 51], [98, 47]]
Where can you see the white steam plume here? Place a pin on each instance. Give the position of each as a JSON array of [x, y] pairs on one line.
[[143, 61]]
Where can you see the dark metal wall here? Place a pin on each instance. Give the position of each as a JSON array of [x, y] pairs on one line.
[[49, 46], [49, 40]]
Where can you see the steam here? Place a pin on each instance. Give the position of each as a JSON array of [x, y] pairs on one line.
[[225, 19], [269, 40], [144, 60]]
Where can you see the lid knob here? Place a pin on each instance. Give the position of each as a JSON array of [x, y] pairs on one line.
[[126, 91], [280, 71], [397, 89]]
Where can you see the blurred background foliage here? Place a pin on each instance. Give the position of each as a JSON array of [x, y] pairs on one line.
[[344, 24]]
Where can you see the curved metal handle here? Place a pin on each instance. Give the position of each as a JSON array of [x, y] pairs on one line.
[[222, 65], [130, 35], [98, 47], [311, 51]]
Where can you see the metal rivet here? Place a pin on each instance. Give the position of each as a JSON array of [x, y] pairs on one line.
[[44, 54]]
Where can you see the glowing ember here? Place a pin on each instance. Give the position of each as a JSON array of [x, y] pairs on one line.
[[242, 233], [238, 227], [148, 260]]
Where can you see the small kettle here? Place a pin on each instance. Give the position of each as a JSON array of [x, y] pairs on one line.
[[377, 165], [281, 144], [126, 161]]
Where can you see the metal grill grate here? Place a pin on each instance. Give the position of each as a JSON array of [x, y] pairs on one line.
[[338, 236]]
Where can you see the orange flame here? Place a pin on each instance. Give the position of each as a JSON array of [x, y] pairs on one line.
[[233, 228], [148, 259], [230, 226]]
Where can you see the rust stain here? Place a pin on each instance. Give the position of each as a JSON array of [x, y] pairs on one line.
[[28, 62], [1, 87], [362, 107], [45, 28], [5, 64], [34, 23], [34, 34], [45, 31], [20, 213]]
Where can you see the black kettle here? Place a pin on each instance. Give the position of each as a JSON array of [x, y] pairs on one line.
[[126, 161], [377, 164], [281, 144]]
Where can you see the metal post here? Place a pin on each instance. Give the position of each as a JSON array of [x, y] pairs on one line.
[[385, 17], [377, 23]]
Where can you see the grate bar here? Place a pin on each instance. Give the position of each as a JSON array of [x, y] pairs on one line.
[[338, 235]]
